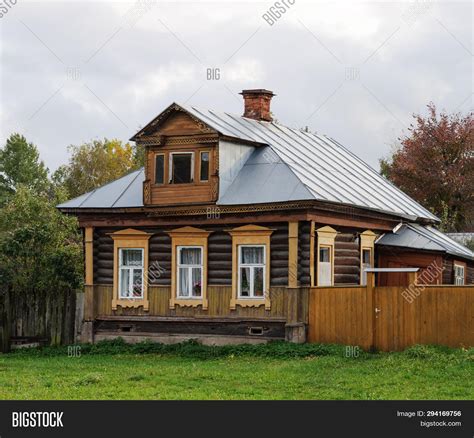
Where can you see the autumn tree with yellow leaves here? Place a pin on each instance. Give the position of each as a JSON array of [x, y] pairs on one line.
[[96, 163]]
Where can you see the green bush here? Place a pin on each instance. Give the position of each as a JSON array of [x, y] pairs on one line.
[[275, 349], [192, 349]]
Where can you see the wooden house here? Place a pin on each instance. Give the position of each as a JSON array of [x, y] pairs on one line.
[[233, 219]]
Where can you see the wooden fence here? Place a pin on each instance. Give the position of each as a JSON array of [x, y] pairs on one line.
[[46, 319], [389, 319]]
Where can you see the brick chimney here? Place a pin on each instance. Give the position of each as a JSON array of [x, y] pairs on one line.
[[257, 104]]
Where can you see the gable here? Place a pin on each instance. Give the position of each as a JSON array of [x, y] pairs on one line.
[[173, 121]]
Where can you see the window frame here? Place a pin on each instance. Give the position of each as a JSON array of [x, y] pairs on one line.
[[190, 268], [326, 237], [252, 267], [461, 266], [163, 154], [130, 239], [208, 166], [121, 267], [363, 274], [170, 167], [367, 243], [330, 249], [251, 235], [188, 237]]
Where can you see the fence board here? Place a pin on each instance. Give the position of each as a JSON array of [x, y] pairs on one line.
[[48, 318], [340, 315], [441, 315]]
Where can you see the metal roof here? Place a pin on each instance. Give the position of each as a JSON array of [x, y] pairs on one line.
[[274, 180], [417, 236], [123, 192], [327, 169], [295, 165]]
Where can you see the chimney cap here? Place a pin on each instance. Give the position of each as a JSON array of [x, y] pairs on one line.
[[258, 91]]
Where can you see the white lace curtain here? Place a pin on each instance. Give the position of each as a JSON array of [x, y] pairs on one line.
[[252, 255], [190, 256], [131, 257]]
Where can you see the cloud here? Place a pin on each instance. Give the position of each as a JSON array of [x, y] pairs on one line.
[[132, 65]]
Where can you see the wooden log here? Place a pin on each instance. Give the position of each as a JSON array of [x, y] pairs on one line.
[[347, 261], [345, 237], [279, 272], [109, 264], [353, 270], [346, 279]]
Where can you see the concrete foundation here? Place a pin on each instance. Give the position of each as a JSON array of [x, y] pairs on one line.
[[295, 332], [167, 338]]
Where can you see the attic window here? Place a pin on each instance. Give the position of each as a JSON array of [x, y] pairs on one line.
[[204, 170], [182, 165], [159, 169]]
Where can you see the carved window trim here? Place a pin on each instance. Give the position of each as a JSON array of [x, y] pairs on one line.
[[250, 235], [188, 236], [130, 239], [367, 242], [326, 239]]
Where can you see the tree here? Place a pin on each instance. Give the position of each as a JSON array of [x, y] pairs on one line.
[[434, 164], [20, 165], [94, 164], [470, 244], [40, 248]]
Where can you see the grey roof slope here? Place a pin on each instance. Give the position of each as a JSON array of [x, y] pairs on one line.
[[123, 192], [304, 166], [417, 236], [327, 169], [265, 178]]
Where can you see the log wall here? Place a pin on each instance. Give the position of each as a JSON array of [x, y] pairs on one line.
[[219, 255], [346, 258], [304, 247]]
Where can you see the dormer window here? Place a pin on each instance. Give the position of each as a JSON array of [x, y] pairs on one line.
[[159, 169], [182, 167], [204, 167]]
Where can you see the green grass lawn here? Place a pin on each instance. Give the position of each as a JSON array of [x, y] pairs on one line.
[[279, 371]]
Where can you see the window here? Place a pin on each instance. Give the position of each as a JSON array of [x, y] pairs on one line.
[[204, 169], [251, 271], [459, 275], [250, 266], [325, 268], [159, 169], [324, 256], [131, 273], [189, 272], [366, 264], [182, 167], [367, 242], [188, 267], [130, 286]]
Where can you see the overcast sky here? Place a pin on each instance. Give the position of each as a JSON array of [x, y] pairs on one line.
[[75, 71]]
